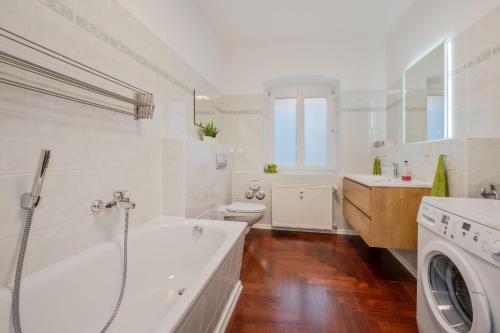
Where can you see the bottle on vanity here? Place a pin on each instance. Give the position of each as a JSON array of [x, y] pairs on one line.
[[406, 174]]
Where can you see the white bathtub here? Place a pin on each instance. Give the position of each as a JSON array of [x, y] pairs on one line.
[[166, 256]]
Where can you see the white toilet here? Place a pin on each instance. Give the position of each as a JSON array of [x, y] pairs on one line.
[[250, 213]]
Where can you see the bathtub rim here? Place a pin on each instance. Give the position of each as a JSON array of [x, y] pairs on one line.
[[179, 311]]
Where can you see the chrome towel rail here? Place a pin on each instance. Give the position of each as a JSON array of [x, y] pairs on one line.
[[141, 100]]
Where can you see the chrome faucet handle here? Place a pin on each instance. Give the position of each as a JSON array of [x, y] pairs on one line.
[[491, 193], [120, 199], [249, 194], [260, 194], [98, 205], [120, 195], [127, 204], [395, 169]]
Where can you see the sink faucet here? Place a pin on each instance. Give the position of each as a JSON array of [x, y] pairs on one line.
[[491, 193], [395, 169], [120, 199]]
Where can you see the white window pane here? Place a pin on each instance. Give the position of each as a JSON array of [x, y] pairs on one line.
[[315, 132], [285, 131]]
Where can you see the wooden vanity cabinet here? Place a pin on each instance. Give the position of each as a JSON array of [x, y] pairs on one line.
[[384, 217]]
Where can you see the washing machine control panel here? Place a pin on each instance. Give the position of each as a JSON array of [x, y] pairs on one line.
[[474, 237]]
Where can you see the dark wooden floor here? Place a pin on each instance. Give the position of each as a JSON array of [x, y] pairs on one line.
[[303, 282]]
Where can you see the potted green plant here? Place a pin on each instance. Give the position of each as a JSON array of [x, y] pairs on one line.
[[208, 131]]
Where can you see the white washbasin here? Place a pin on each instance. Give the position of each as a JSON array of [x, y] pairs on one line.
[[383, 181]]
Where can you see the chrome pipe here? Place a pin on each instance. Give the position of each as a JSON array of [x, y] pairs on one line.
[[63, 96], [48, 73]]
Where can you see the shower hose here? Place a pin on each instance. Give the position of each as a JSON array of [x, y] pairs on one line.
[[16, 293]]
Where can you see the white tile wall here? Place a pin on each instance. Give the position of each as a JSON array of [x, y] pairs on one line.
[[422, 158], [476, 79], [207, 187], [191, 183], [244, 130], [362, 122], [483, 165], [94, 151], [394, 114]]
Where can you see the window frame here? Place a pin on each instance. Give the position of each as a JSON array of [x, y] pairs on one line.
[[300, 93]]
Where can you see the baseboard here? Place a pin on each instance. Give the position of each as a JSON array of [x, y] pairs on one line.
[[229, 308], [406, 264], [334, 231], [262, 226], [350, 232]]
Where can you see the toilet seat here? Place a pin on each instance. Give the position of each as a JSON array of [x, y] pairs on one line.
[[250, 213], [243, 207]]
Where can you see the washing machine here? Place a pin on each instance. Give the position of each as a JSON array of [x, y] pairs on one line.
[[458, 288]]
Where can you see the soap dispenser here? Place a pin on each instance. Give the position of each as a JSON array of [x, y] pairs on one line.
[[406, 174]]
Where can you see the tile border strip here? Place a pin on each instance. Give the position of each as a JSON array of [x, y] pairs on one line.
[[241, 112], [362, 109], [115, 43]]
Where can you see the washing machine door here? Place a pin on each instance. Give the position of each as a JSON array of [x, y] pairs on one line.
[[453, 291]]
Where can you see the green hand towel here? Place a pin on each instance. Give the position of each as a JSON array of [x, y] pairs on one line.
[[376, 167], [440, 185]]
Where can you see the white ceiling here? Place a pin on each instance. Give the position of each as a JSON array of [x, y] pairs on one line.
[[251, 22]]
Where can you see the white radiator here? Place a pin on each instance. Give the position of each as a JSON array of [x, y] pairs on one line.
[[302, 206]]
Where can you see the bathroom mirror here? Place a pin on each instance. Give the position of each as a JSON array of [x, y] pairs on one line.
[[425, 98], [207, 107]]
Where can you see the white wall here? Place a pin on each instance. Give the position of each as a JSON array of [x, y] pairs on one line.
[[474, 76], [192, 183], [426, 23], [94, 151], [358, 64], [180, 24], [473, 29]]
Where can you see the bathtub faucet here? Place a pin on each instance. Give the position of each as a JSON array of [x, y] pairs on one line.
[[120, 200]]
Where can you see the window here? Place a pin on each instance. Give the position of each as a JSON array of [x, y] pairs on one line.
[[302, 130], [285, 131], [315, 131]]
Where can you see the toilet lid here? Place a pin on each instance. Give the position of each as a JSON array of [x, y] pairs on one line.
[[243, 207]]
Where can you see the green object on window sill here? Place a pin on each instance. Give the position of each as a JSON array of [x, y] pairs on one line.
[[271, 168]]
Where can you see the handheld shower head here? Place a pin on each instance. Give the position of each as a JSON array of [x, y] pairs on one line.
[[43, 163], [30, 200]]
